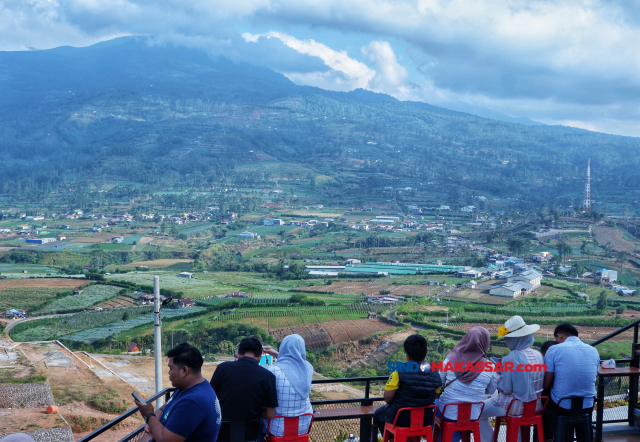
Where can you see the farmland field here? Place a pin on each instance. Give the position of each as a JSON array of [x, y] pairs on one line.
[[324, 334], [68, 283], [116, 327], [25, 298], [119, 302], [90, 296], [155, 264], [199, 287], [48, 329]]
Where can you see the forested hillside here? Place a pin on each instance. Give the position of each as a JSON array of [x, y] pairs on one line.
[[170, 116]]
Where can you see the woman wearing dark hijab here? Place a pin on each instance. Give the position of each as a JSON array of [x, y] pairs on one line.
[[466, 386]]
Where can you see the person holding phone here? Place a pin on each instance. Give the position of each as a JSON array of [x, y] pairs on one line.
[[192, 414]]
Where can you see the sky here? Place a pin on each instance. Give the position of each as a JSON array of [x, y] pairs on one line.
[[575, 63]]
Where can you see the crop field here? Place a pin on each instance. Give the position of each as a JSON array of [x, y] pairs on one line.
[[197, 288], [322, 335], [260, 299], [89, 296], [48, 329], [114, 328], [119, 302], [8, 269], [25, 298], [614, 237], [375, 286], [67, 283], [155, 264]]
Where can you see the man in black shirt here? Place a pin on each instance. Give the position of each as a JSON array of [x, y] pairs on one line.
[[246, 391]]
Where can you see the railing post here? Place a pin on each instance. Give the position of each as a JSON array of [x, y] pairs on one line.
[[366, 422], [600, 409], [633, 380]]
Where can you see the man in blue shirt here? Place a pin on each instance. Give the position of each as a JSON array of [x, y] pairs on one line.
[[193, 412], [572, 368]]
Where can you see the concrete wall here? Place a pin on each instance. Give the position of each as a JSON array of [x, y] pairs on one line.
[[26, 395]]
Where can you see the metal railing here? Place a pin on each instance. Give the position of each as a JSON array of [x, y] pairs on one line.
[[617, 391], [362, 425]]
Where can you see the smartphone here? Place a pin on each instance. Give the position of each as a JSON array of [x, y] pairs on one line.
[[137, 397]]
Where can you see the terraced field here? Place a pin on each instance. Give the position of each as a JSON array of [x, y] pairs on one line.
[[322, 335]]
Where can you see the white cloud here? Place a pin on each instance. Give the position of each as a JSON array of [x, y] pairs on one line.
[[347, 73]]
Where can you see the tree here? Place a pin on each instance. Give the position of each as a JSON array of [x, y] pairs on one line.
[[564, 250], [125, 316], [226, 347], [620, 309], [602, 300]]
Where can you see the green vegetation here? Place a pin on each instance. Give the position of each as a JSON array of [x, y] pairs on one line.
[[91, 295], [26, 298]]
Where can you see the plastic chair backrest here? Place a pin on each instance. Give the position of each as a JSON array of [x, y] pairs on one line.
[[417, 415], [464, 410], [529, 408], [576, 403], [291, 425]]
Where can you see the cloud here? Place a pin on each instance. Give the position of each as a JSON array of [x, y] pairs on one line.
[[343, 73], [552, 60]]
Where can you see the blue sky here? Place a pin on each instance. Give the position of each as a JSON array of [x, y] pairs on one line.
[[575, 63]]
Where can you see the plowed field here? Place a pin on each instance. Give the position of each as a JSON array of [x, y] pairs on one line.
[[119, 302], [322, 335], [42, 282], [358, 287]]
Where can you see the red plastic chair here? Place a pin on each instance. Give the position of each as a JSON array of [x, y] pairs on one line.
[[464, 424], [291, 424], [415, 429], [523, 423]]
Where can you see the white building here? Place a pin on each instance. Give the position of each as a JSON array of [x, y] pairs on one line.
[[272, 222], [511, 290], [530, 276], [185, 275], [607, 275]]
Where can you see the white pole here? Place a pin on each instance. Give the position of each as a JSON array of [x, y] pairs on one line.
[[158, 337]]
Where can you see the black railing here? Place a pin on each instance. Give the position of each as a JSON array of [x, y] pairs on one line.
[[365, 423], [166, 393], [611, 394]]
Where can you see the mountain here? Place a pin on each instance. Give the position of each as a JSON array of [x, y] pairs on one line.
[[165, 116]]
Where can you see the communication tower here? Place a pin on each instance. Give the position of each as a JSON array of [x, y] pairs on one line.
[[587, 190]]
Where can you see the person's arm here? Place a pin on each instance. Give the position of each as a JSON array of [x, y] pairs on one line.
[[155, 429], [216, 379], [493, 385], [270, 351], [268, 413], [391, 387], [548, 380], [549, 363]]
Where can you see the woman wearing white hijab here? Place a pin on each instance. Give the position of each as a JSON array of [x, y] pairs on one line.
[[517, 384], [293, 384]]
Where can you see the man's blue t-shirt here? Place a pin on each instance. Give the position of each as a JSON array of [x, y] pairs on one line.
[[193, 413]]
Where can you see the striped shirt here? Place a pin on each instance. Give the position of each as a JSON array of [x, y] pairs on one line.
[[503, 399], [290, 403]]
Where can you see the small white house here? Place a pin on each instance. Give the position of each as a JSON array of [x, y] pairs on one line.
[[185, 275], [272, 222]]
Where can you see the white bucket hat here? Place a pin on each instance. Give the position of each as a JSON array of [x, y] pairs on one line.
[[516, 327]]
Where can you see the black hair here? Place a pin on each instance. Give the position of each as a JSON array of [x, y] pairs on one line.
[[544, 347], [565, 329], [250, 345], [186, 355], [416, 347]]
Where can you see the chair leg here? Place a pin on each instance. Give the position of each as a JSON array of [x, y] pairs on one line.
[[476, 434], [496, 430], [540, 430], [512, 433], [436, 432], [385, 435], [465, 436]]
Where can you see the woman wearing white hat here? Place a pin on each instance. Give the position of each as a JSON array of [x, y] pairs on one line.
[[517, 384]]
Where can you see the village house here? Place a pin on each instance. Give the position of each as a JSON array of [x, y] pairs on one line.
[[272, 222], [185, 275], [383, 299], [518, 285]]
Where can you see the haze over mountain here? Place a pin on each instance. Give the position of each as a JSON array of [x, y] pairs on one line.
[[164, 114]]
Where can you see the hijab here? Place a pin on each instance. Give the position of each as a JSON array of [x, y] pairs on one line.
[[471, 348], [518, 382], [292, 360]]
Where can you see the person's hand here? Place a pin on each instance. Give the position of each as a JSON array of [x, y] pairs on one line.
[[147, 429], [270, 351], [144, 408]]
